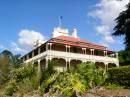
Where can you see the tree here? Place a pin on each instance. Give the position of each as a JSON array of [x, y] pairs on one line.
[[16, 61], [123, 26], [7, 62], [6, 52], [124, 57], [5, 58]]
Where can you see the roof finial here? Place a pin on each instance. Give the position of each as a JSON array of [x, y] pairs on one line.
[[60, 21]]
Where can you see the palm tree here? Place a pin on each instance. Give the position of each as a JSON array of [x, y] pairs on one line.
[[123, 26]]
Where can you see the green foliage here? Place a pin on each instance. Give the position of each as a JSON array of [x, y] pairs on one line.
[[119, 76], [10, 89], [73, 82], [113, 86], [5, 58], [25, 78], [123, 26], [124, 57], [25, 86], [46, 83], [7, 62], [42, 88], [27, 71], [48, 71], [51, 65], [94, 76], [64, 84], [67, 84], [16, 61]]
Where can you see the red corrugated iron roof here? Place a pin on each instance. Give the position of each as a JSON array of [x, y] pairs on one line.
[[67, 40], [76, 42]]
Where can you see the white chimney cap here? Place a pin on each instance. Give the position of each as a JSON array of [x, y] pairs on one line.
[[74, 33], [59, 32]]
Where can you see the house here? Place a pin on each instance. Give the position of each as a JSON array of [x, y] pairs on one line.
[[70, 50]]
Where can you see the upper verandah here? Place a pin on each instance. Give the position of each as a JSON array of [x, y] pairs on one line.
[[61, 36]]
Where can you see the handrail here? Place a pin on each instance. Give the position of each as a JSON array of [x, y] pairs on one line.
[[70, 55]]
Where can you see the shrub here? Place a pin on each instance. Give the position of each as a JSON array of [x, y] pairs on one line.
[[47, 83], [120, 76], [25, 86], [25, 78], [10, 89], [68, 84], [48, 77], [27, 71], [94, 76], [42, 88]]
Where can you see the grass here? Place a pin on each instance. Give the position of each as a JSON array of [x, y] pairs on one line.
[[113, 86]]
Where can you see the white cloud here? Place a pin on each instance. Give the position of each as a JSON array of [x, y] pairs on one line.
[[26, 41], [104, 44], [13, 44], [106, 12], [16, 48], [103, 29], [1, 46], [29, 37], [109, 39]]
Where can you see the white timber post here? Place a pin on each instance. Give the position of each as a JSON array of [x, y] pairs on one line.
[[85, 51], [27, 56], [69, 48], [47, 46], [46, 62], [117, 64], [66, 47], [50, 46], [39, 66], [116, 55], [32, 53], [39, 50], [91, 51], [104, 53]]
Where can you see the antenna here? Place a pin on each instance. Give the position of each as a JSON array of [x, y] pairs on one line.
[[60, 21]]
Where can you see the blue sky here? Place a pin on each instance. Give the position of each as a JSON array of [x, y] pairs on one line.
[[39, 17]]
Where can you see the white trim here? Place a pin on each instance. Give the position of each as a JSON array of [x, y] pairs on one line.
[[73, 56]]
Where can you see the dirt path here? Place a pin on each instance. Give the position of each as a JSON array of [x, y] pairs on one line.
[[97, 93], [109, 93]]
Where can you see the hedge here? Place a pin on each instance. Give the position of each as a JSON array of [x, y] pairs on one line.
[[119, 75]]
